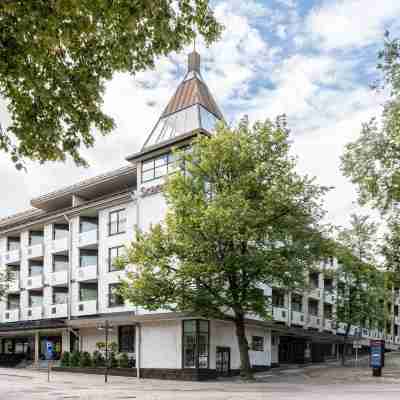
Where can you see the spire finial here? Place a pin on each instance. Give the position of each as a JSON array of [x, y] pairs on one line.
[[194, 60]]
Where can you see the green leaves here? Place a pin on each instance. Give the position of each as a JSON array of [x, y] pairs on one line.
[[239, 218], [55, 57]]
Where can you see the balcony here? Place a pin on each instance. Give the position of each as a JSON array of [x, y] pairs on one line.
[[13, 285], [60, 245], [329, 297], [12, 257], [11, 315], [88, 239], [314, 321], [35, 251], [87, 273], [315, 293], [87, 307], [298, 318], [35, 312], [34, 282], [329, 325], [57, 311], [280, 314], [59, 278]]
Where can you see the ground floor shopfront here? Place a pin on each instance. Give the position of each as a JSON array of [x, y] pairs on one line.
[[164, 346]]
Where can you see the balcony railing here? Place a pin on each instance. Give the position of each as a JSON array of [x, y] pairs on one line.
[[35, 251], [34, 312], [87, 307], [298, 318], [280, 314], [11, 315], [314, 321], [59, 278], [12, 257], [60, 245], [34, 282], [86, 273], [88, 238], [57, 311]]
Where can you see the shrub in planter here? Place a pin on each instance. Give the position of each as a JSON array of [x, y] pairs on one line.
[[113, 362], [75, 359], [66, 359], [86, 360], [123, 361], [98, 359]]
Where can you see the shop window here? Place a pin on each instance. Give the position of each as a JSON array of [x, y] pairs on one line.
[[257, 343], [126, 339], [195, 344]]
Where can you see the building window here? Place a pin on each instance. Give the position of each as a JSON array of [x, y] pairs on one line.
[[328, 311], [35, 268], [35, 237], [297, 302], [314, 280], [278, 298], [60, 231], [126, 339], [60, 263], [12, 302], [87, 291], [35, 299], [88, 258], [195, 343], [113, 253], [160, 166], [117, 222], [60, 295], [87, 224], [313, 307], [13, 243], [257, 343], [114, 298]]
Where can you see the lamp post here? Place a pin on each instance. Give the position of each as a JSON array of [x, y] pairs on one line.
[[107, 327]]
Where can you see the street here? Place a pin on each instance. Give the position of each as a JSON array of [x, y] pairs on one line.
[[323, 381]]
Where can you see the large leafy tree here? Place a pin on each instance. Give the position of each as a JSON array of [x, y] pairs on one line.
[[239, 218], [360, 297], [56, 55], [373, 160]]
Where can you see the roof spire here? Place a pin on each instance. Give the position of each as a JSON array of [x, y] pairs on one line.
[[194, 60]]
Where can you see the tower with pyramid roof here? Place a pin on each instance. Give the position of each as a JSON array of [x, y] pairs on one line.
[[190, 111]]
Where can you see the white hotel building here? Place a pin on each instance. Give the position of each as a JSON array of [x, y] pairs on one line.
[[59, 255]]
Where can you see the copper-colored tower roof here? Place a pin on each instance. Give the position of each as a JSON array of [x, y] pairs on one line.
[[191, 108]]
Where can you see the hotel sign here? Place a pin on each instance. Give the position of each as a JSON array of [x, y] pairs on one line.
[[149, 191]]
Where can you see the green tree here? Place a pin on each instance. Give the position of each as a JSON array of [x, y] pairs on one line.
[[391, 246], [56, 55], [372, 162], [360, 286], [239, 217]]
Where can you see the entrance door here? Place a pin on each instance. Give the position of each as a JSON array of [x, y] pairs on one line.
[[223, 360]]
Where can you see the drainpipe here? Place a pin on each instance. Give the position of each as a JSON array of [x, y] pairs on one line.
[[138, 347]]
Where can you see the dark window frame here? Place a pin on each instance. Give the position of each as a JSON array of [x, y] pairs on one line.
[[88, 251], [196, 344], [111, 267], [38, 234], [35, 263], [88, 219], [54, 259], [131, 348], [14, 240], [119, 221], [57, 227], [114, 299], [257, 343]]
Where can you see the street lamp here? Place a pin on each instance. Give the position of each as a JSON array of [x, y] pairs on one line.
[[107, 328]]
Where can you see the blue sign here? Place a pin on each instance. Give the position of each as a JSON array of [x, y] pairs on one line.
[[377, 349], [49, 350]]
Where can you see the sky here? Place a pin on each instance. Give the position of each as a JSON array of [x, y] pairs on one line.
[[313, 60]]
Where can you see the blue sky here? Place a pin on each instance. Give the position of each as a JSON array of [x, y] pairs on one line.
[[310, 59]]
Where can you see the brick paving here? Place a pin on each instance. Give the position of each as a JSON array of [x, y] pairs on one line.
[[322, 381]]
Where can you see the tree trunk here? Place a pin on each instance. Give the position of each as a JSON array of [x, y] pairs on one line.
[[245, 368]]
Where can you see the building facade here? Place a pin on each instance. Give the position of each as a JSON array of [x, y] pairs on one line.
[[59, 258]]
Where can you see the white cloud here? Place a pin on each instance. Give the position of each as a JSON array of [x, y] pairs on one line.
[[345, 24]]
